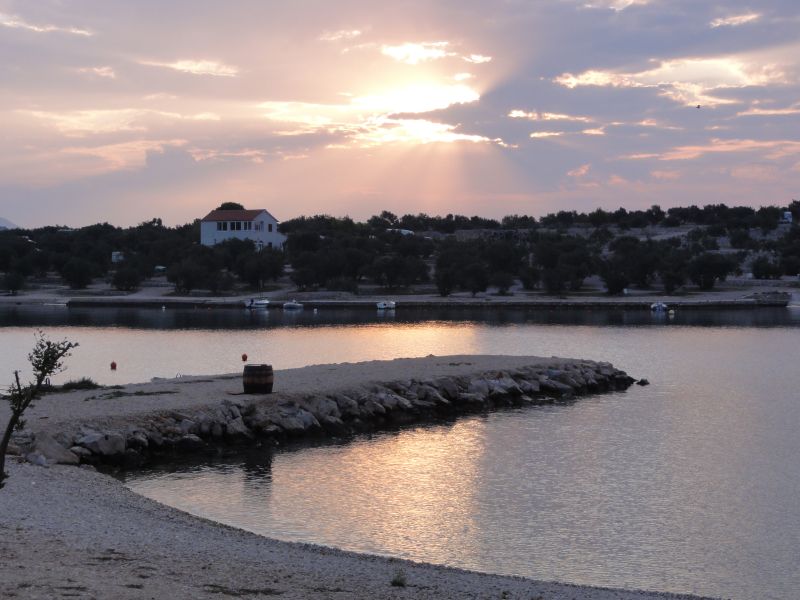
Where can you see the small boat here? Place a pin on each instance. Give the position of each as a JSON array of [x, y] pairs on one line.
[[386, 305], [256, 303], [658, 307], [292, 305]]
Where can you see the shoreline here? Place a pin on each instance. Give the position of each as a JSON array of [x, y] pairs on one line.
[[704, 302], [85, 532]]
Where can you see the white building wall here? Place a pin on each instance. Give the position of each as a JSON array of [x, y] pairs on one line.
[[211, 234]]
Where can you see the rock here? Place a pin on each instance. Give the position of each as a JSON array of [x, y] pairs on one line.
[[13, 450], [447, 388], [556, 387], [643, 382], [347, 406], [137, 440], [108, 444], [321, 407], [237, 428], [80, 451], [372, 407], [529, 387], [232, 409], [53, 451], [189, 442], [478, 386], [472, 399], [216, 429], [36, 459], [154, 438], [187, 426], [295, 421], [334, 426]]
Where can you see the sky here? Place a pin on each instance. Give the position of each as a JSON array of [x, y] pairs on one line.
[[117, 111]]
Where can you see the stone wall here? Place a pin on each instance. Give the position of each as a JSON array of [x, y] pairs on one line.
[[138, 439]]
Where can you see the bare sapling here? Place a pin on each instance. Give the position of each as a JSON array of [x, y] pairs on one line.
[[46, 359]]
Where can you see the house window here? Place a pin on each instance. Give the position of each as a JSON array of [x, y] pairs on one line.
[[269, 227], [260, 226], [248, 225], [236, 225], [270, 244], [222, 226]]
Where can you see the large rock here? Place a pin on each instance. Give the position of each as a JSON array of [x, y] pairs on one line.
[[237, 428], [104, 444], [53, 451]]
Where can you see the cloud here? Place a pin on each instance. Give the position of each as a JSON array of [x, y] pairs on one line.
[[770, 149], [414, 53], [770, 112], [546, 134], [106, 72], [477, 59], [615, 5], [373, 119], [123, 155], [79, 123], [665, 175], [581, 171], [547, 116], [14, 22], [196, 67], [594, 131], [685, 80], [341, 35], [735, 21]]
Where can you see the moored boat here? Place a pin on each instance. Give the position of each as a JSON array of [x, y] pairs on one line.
[[292, 305]]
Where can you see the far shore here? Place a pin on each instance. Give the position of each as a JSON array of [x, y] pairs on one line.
[[734, 294], [74, 531]]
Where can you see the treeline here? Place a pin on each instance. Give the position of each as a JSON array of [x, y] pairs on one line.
[[555, 253]]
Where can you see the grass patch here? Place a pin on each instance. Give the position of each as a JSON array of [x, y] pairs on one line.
[[84, 383]]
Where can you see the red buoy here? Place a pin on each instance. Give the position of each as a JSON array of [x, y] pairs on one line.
[[113, 366], [244, 357]]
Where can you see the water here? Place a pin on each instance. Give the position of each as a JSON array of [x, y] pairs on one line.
[[687, 485]]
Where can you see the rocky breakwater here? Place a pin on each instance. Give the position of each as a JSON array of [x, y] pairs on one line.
[[139, 438]]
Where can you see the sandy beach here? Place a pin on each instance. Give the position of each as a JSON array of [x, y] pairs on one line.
[[74, 532]]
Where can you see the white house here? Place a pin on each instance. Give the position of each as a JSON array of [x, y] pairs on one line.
[[257, 225]]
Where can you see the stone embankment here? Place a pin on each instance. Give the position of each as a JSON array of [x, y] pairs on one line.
[[133, 439]]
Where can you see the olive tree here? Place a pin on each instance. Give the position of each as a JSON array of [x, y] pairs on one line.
[[46, 359]]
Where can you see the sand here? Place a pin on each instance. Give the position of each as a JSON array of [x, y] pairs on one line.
[[73, 532]]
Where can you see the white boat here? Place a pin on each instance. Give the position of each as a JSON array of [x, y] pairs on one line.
[[292, 305], [386, 305], [256, 303], [659, 307]]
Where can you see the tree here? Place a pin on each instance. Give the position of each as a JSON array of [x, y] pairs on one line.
[[77, 273], [705, 269], [764, 268], [13, 282], [186, 275], [503, 281], [126, 279], [46, 359], [230, 206]]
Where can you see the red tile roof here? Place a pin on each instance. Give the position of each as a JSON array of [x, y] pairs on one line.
[[235, 215]]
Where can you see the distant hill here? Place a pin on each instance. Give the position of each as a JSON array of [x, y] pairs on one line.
[[6, 224]]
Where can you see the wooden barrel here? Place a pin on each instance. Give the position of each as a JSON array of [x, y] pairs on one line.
[[257, 379]]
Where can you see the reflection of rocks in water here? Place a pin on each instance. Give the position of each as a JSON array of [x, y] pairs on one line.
[[257, 464]]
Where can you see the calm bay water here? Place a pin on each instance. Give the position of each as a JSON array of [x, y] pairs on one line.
[[690, 484]]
